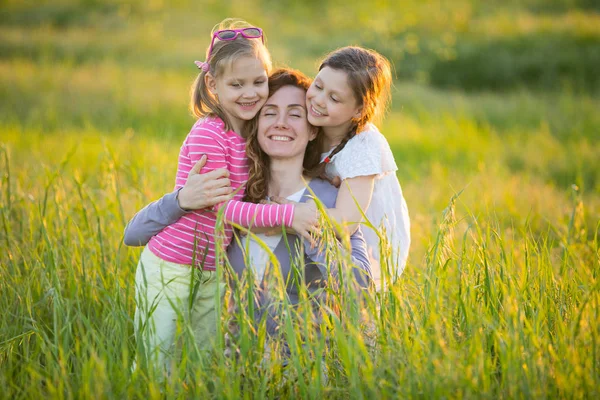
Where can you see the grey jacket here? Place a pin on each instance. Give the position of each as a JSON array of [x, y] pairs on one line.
[[316, 273]]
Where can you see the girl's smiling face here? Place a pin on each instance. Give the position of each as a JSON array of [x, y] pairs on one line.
[[330, 100], [283, 130], [241, 89]]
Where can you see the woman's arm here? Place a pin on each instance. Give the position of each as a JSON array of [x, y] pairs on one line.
[[152, 219], [359, 258], [200, 191]]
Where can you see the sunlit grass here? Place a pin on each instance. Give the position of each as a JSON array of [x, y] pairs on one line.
[[500, 295]]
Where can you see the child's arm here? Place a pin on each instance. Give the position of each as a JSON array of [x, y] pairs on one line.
[[209, 138], [301, 217], [353, 191], [365, 157]]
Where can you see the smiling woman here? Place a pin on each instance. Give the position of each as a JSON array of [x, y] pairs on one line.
[[283, 153]]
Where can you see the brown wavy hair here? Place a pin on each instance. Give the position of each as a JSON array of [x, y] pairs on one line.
[[224, 52], [259, 162], [370, 78]]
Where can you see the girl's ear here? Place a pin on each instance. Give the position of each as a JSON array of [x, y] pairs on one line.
[[211, 83], [358, 113]]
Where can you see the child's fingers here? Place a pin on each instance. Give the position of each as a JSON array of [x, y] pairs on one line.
[[306, 235], [337, 182], [312, 232]]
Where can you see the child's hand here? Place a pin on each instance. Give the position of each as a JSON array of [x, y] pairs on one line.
[[305, 221], [204, 190], [336, 181]]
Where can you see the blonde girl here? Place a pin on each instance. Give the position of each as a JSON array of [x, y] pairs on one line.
[[176, 274]]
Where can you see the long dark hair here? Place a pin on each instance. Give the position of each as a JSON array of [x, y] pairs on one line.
[[370, 78]]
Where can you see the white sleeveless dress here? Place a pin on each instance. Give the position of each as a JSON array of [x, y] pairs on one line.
[[368, 153]]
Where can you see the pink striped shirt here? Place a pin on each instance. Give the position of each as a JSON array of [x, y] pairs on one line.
[[193, 236]]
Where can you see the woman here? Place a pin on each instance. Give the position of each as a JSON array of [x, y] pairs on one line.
[[280, 166]]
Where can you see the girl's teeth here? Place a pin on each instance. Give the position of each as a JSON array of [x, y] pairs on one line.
[[281, 138], [316, 112]]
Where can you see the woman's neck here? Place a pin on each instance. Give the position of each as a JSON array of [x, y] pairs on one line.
[[286, 177]]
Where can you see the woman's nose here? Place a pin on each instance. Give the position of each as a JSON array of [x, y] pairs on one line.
[[281, 122]]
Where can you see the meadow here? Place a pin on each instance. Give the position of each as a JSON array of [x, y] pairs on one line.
[[496, 132]]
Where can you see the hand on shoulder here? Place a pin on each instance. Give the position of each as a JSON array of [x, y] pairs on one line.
[[205, 190]]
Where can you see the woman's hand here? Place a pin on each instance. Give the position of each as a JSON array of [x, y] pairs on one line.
[[204, 190]]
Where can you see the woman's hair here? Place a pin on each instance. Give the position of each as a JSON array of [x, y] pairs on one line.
[[223, 54], [258, 160], [370, 78]]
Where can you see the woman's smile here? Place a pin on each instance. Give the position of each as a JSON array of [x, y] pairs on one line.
[[280, 138]]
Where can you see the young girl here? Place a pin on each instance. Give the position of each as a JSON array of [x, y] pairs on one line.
[[230, 89], [352, 89]]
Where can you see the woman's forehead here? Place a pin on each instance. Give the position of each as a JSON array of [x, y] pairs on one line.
[[287, 96]]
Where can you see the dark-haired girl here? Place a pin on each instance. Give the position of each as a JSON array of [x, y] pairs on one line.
[[351, 90]]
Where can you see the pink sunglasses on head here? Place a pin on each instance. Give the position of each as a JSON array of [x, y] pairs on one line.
[[231, 34]]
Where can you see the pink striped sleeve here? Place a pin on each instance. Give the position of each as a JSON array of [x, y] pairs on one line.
[[206, 139], [259, 215]]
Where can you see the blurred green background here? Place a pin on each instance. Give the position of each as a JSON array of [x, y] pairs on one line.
[[495, 100]]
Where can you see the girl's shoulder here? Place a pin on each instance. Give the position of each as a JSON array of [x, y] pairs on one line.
[[210, 122], [370, 135], [367, 153], [367, 140], [211, 128]]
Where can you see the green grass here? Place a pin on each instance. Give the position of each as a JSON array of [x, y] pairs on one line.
[[501, 295]]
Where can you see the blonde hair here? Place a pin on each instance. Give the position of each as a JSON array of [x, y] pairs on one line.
[[224, 53]]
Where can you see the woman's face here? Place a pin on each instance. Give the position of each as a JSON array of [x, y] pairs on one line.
[[283, 130]]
